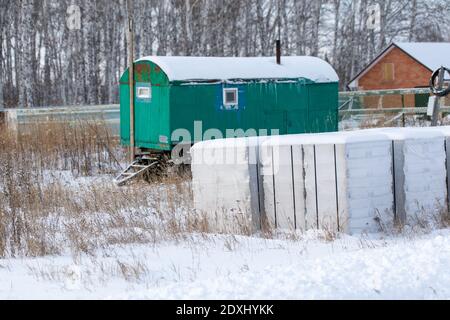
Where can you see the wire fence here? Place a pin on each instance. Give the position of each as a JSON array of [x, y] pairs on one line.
[[357, 109], [382, 108], [109, 114]]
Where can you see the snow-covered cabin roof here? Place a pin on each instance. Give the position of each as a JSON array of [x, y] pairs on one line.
[[432, 55], [215, 68]]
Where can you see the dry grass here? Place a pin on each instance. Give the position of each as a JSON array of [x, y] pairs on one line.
[[40, 215], [422, 221], [26, 200], [84, 147]]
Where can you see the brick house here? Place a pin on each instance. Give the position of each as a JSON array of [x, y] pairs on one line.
[[402, 65]]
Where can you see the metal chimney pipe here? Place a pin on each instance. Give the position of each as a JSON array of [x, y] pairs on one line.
[[278, 51]]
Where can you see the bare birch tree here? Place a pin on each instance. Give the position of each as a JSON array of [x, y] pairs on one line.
[[43, 62]]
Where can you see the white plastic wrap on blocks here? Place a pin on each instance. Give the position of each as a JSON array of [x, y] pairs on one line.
[[284, 203], [280, 186], [299, 184], [320, 183], [309, 167], [268, 186], [326, 184]]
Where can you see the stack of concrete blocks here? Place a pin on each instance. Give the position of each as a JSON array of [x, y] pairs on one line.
[[334, 182], [225, 183], [420, 173], [350, 182], [339, 182]]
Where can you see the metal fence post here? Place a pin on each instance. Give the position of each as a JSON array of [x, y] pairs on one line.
[[435, 116]]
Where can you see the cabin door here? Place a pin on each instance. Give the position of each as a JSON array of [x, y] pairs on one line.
[[145, 113], [152, 116]]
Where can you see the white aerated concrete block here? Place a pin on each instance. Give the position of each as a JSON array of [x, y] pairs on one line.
[[224, 185], [367, 200], [445, 130], [309, 167], [425, 176], [420, 172]]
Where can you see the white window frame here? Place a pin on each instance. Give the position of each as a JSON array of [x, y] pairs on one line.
[[147, 95], [227, 90]]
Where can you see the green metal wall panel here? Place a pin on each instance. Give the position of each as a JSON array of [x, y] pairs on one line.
[[284, 106], [290, 108], [124, 114], [323, 113]]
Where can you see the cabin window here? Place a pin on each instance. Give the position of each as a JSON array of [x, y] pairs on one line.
[[230, 97], [144, 93], [388, 72]]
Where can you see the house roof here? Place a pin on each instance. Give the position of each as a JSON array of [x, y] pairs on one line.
[[432, 55], [215, 68]]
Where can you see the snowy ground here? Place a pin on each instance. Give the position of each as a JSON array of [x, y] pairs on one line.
[[224, 267], [409, 266]]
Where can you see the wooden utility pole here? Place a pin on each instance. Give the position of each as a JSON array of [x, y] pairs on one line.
[[440, 84], [131, 77]]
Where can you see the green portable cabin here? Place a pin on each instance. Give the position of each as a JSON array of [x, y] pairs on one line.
[[196, 94]]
